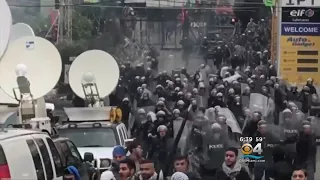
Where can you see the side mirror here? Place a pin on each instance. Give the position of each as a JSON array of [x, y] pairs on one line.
[[88, 157]]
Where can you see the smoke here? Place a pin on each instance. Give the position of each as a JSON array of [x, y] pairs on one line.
[[31, 13]]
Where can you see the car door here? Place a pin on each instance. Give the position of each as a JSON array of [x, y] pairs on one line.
[[48, 159]]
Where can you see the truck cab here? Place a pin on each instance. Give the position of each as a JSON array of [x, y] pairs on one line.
[[93, 132]]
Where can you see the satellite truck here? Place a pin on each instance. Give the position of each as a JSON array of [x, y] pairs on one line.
[[30, 68], [96, 128]]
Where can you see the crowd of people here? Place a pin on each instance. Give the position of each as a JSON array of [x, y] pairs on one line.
[[188, 125]]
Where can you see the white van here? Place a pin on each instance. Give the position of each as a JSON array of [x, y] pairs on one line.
[[28, 154]]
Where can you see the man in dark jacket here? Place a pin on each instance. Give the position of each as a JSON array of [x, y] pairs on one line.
[[231, 168], [281, 169]]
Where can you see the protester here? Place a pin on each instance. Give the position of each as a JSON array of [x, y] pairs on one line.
[[127, 170], [299, 174], [231, 168], [147, 170]]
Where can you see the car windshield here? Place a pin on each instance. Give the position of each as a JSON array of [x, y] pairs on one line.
[[90, 137]]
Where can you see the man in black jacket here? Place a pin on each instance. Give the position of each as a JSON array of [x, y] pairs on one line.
[[231, 169]]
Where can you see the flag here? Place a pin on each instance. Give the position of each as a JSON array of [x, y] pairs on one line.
[[184, 15], [30, 44]]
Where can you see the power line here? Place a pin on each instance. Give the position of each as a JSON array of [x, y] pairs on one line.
[[162, 7]]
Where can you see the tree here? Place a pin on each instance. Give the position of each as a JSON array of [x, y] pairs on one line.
[[82, 27]]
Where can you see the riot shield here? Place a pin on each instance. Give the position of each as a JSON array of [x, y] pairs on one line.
[[258, 102], [231, 120], [182, 146], [315, 124], [231, 78], [211, 115], [196, 134], [214, 149], [243, 87], [290, 124], [223, 71], [245, 101], [204, 76], [202, 101]]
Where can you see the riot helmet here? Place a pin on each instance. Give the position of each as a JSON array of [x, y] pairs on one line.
[[176, 113], [216, 128], [180, 104], [141, 114], [306, 127], [180, 95], [161, 115], [262, 127], [162, 99]]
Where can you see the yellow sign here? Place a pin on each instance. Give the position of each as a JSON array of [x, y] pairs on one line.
[[300, 58], [300, 42]]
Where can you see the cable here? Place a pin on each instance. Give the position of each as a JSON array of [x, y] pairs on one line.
[[162, 7]]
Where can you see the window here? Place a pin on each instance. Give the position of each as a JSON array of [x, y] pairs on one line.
[[46, 158], [74, 151], [36, 159], [56, 158], [3, 159], [90, 137]]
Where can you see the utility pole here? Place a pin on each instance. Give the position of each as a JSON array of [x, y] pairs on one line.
[[274, 35], [65, 20], [68, 20]]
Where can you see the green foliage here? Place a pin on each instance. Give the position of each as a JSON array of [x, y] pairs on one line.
[[71, 49], [82, 27]]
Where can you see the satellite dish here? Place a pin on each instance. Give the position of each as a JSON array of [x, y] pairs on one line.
[[5, 28], [97, 66], [5, 99], [35, 58], [20, 30]]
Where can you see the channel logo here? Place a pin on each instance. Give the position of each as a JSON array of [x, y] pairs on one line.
[[247, 151]]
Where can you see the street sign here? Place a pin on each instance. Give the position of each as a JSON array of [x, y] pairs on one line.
[[269, 3], [300, 3]]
